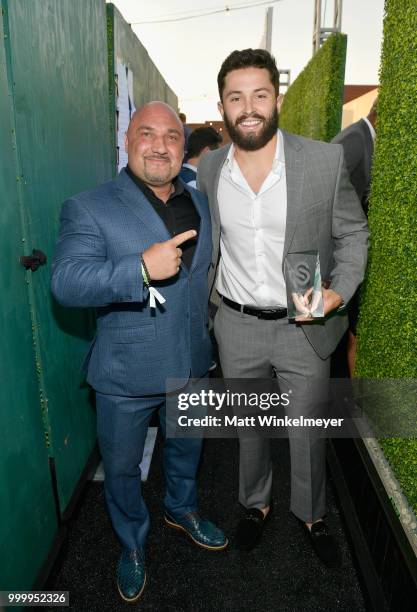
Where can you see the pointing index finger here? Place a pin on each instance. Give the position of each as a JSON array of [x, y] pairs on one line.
[[183, 237]]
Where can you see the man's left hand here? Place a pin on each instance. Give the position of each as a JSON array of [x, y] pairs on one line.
[[331, 301]]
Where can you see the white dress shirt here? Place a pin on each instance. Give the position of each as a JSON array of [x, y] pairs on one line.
[[252, 234], [371, 128]]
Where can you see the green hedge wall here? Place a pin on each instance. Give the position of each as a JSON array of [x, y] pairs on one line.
[[387, 330], [312, 106]]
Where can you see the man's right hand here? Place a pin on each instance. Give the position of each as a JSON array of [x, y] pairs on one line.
[[163, 259]]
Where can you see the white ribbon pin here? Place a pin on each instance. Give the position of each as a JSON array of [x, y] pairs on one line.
[[155, 296]]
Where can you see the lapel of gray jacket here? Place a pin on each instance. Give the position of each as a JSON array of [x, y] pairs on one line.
[[214, 169], [132, 197], [214, 182], [294, 170]]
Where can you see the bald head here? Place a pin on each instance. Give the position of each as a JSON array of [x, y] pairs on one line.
[[155, 108], [155, 143]]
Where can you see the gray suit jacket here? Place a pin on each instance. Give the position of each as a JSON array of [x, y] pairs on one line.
[[323, 213], [358, 147]]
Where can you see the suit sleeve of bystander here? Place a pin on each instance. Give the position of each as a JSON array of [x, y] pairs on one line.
[[353, 148], [200, 176], [350, 236]]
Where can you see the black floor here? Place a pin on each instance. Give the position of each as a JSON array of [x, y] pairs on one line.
[[283, 574]]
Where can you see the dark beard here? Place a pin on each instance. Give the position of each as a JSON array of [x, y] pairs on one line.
[[253, 142]]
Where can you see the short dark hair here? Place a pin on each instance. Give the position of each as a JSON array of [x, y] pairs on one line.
[[248, 58], [202, 137]]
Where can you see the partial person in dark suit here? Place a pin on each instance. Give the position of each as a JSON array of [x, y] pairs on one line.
[[129, 249], [187, 130], [357, 141], [201, 140]]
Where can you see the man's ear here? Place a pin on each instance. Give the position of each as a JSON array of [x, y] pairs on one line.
[[126, 142], [221, 109]]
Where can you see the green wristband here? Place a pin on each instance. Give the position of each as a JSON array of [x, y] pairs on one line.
[[145, 274]]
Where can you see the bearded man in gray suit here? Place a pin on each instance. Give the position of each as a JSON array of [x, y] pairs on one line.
[[272, 194]]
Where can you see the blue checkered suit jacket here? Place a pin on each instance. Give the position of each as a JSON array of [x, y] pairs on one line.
[[96, 264]]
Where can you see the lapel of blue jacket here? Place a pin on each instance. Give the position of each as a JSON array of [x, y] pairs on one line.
[[132, 197], [294, 170], [203, 213]]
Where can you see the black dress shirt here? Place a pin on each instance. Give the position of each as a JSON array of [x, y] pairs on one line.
[[178, 214]]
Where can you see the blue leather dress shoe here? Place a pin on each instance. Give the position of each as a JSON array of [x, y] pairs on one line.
[[202, 532], [131, 574]]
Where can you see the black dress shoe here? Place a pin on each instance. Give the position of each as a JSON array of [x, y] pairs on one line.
[[324, 544], [250, 528]]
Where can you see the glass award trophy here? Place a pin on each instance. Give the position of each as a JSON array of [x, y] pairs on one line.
[[304, 286]]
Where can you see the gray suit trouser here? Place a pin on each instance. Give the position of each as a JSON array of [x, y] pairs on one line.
[[253, 348]]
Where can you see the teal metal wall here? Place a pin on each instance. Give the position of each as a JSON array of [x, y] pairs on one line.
[[54, 118], [27, 515], [57, 129]]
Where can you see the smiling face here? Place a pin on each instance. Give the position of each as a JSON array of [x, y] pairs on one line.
[[155, 144], [249, 107]]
